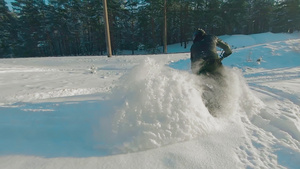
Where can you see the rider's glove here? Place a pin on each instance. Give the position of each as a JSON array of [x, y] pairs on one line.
[[226, 54]]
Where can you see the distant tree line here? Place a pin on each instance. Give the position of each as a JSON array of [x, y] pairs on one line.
[[37, 28]]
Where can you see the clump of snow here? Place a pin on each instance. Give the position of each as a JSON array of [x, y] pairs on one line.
[[228, 94], [157, 106]]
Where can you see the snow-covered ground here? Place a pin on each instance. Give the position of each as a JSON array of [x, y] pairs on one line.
[[151, 112]]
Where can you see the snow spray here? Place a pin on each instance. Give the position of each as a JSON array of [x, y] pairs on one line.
[[155, 105]]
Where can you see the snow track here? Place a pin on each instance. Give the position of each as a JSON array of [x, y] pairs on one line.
[[279, 121]]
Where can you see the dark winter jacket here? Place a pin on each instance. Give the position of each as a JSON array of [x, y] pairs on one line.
[[204, 56]]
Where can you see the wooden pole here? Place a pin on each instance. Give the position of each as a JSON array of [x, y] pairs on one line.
[[165, 26], [107, 32]]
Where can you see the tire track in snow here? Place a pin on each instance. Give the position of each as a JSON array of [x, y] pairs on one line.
[[276, 93]]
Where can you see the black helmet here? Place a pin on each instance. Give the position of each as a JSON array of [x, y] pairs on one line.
[[198, 34]]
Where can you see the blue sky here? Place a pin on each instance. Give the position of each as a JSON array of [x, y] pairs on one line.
[[8, 3]]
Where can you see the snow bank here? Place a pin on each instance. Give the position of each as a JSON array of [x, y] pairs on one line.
[[241, 41]]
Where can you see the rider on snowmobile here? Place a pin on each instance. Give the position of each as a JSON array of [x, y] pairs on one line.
[[204, 56]]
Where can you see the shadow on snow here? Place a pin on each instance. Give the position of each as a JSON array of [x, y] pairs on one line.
[[64, 129]]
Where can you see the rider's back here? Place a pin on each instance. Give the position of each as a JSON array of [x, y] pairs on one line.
[[205, 48]]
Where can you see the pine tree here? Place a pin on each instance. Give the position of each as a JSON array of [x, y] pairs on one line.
[[75, 27], [28, 25], [235, 16], [151, 24], [286, 16], [261, 15], [7, 33], [213, 16], [129, 26], [93, 29], [293, 14]]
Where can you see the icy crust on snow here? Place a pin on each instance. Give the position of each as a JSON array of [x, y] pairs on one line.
[[157, 105]]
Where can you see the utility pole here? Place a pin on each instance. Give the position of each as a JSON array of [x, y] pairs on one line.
[[107, 33], [165, 26]]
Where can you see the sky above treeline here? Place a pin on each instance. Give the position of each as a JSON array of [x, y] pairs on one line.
[[9, 3]]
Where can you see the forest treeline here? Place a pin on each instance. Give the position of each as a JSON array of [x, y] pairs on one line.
[[37, 28]]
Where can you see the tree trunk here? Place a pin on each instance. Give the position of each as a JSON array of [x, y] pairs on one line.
[[165, 26]]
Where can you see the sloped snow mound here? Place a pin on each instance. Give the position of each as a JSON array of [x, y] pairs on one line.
[[157, 106]]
